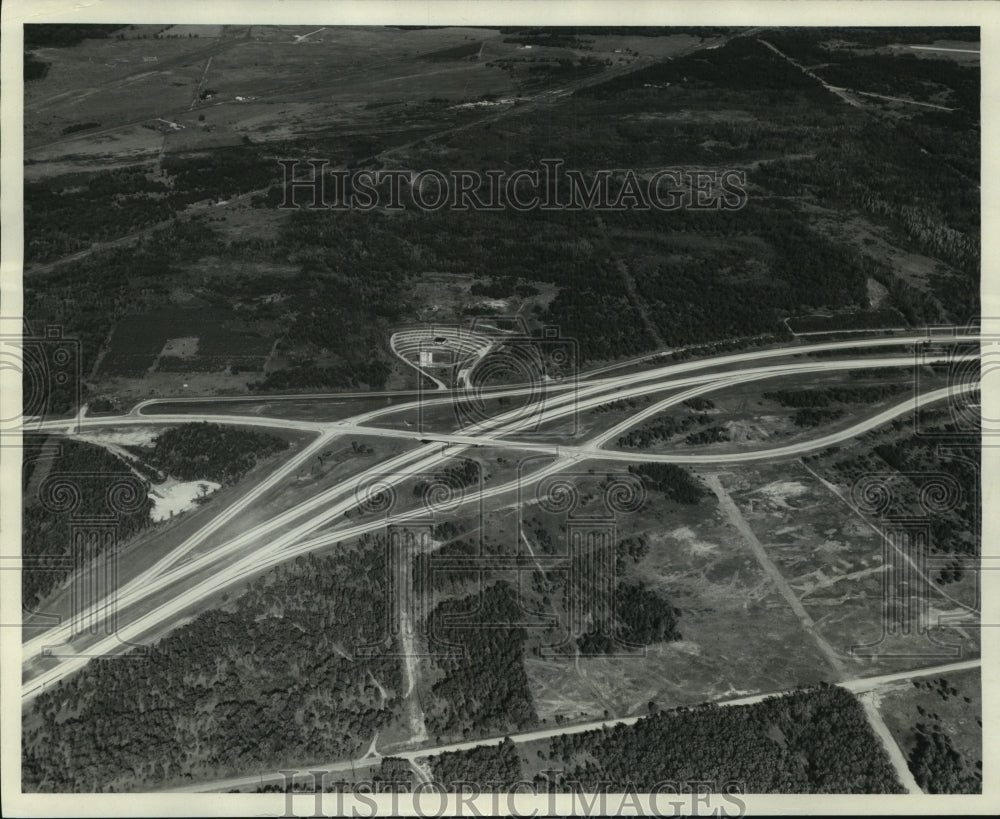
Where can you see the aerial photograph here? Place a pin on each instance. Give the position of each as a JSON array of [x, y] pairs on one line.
[[567, 411]]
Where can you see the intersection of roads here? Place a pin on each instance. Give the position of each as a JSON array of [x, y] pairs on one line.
[[151, 602]]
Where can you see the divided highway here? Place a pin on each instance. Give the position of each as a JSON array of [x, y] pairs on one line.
[[187, 581]]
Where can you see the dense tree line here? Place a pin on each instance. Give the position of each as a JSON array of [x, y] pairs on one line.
[[45, 538], [490, 768], [660, 428], [306, 377], [675, 482], [708, 435], [63, 35], [205, 451], [862, 320], [622, 404], [393, 774], [484, 688], [810, 741], [222, 173], [824, 396], [274, 678], [642, 616]]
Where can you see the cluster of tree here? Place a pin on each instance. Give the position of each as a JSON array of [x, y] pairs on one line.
[[354, 374], [80, 126], [660, 428], [51, 379], [814, 43], [276, 678], [393, 774], [938, 767], [34, 69], [45, 533], [630, 548], [352, 287], [824, 396], [917, 178], [111, 203], [725, 293], [814, 417], [88, 296], [918, 173], [459, 476], [642, 618], [484, 688], [810, 741], [206, 451], [222, 173], [450, 566], [955, 531], [857, 320], [907, 75], [490, 768], [621, 404], [701, 350], [513, 247], [675, 482], [532, 73], [63, 35], [709, 435]]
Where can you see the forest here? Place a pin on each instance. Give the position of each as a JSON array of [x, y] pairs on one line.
[[91, 471], [484, 688], [938, 767], [814, 740], [269, 679], [489, 767], [206, 451], [824, 396], [699, 276], [675, 482]]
